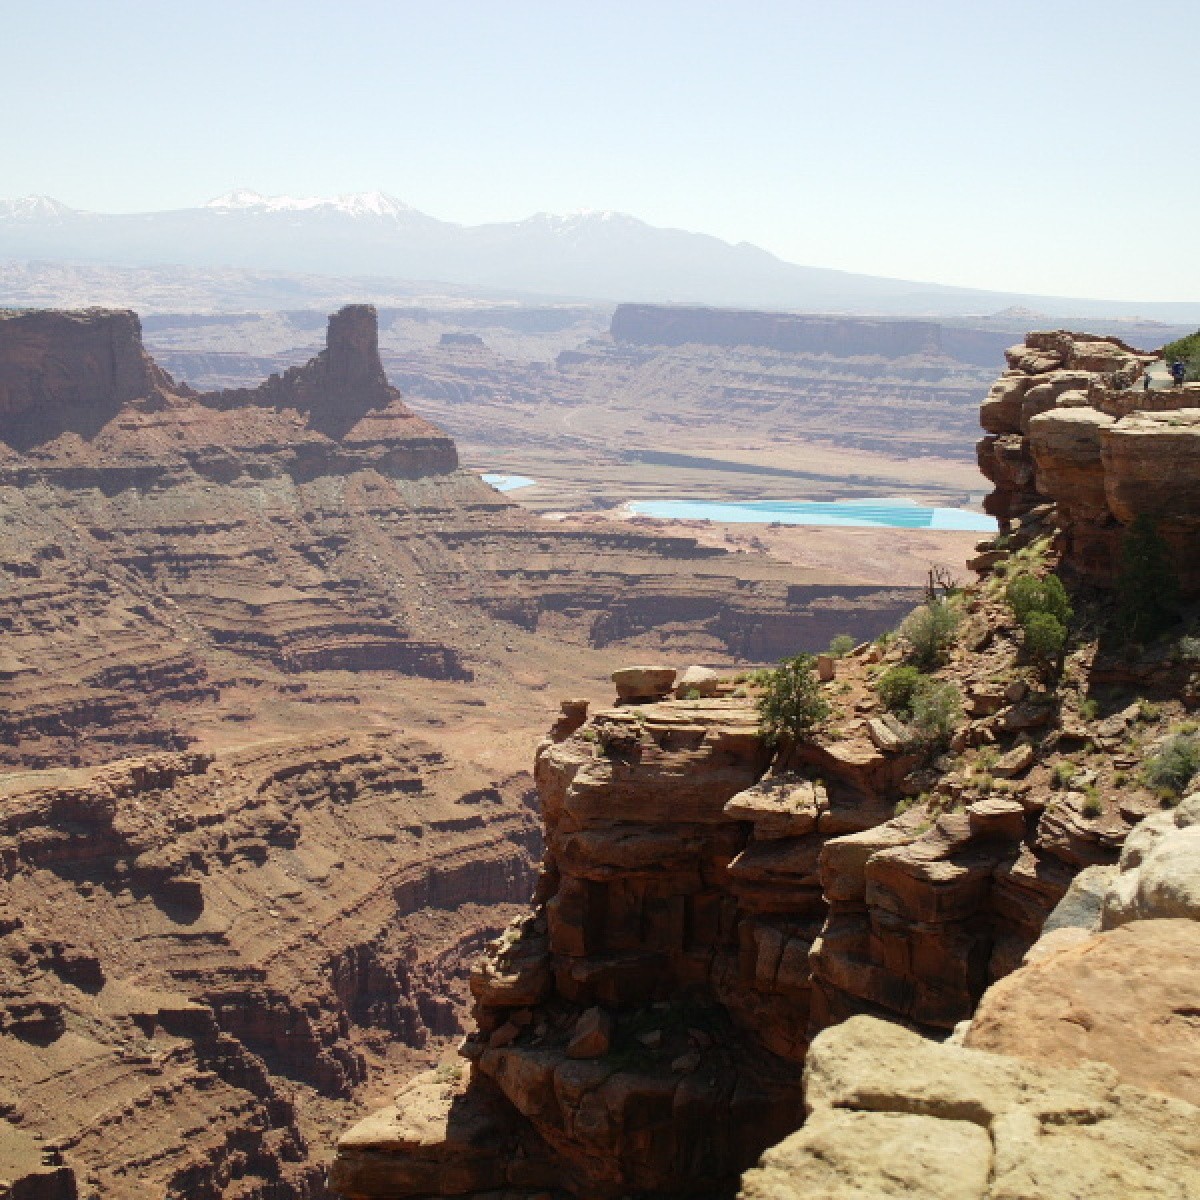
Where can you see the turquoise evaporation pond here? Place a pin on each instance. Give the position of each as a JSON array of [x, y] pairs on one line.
[[872, 514], [508, 483]]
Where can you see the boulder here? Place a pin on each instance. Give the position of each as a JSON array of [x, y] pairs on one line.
[[893, 1115], [637, 685], [780, 806], [701, 680], [592, 1035], [1159, 869], [826, 667], [1127, 997]]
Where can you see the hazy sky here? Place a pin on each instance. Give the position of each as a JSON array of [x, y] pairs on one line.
[[1046, 147]]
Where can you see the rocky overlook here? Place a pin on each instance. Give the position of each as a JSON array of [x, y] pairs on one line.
[[267, 652], [1070, 423], [949, 962]]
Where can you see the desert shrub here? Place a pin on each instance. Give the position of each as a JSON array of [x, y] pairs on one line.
[[1089, 709], [1045, 638], [1147, 586], [1148, 712], [1041, 606], [690, 694], [896, 687], [791, 704], [841, 645], [1027, 594], [936, 710], [1175, 764], [929, 631], [1062, 774], [1092, 806]]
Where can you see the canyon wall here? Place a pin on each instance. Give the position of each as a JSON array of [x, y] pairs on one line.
[[841, 337], [266, 654], [730, 936], [203, 958], [1070, 423]]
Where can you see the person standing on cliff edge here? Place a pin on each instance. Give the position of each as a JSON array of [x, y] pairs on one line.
[[1178, 371]]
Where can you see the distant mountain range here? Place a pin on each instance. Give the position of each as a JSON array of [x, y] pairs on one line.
[[593, 255]]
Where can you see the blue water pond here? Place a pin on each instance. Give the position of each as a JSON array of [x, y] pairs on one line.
[[508, 483], [872, 514]]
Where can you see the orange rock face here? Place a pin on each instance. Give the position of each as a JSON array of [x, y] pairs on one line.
[[1105, 451], [1127, 997]]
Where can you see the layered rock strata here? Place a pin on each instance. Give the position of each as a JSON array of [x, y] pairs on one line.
[[160, 547], [1070, 422], [200, 957], [1079, 1075], [700, 917]]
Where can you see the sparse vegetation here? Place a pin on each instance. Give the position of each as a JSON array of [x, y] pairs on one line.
[[936, 710], [791, 704], [1089, 709], [1063, 773], [1148, 712], [896, 687], [1093, 806], [1044, 612], [691, 694], [1147, 586], [1187, 650], [841, 645], [1027, 594], [1045, 640], [1174, 765], [448, 1072], [929, 631]]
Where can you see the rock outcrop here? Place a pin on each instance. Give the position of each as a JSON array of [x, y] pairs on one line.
[[63, 371], [893, 1115], [1069, 422]]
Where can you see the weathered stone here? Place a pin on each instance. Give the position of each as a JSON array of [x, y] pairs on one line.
[[701, 680], [1017, 761], [641, 684], [892, 1115], [1127, 998], [592, 1035]]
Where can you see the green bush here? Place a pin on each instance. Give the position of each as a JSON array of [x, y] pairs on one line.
[[1027, 594], [936, 710], [896, 687], [1175, 764], [1045, 638], [929, 631], [791, 704], [841, 645], [1041, 606], [1188, 349], [1147, 586]]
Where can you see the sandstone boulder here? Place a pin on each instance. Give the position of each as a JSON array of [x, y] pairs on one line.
[[637, 685], [1159, 869], [780, 806], [893, 1115], [1127, 997], [592, 1035], [702, 681]]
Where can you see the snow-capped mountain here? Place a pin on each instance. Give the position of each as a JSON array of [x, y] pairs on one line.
[[351, 204], [33, 208], [608, 256]]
